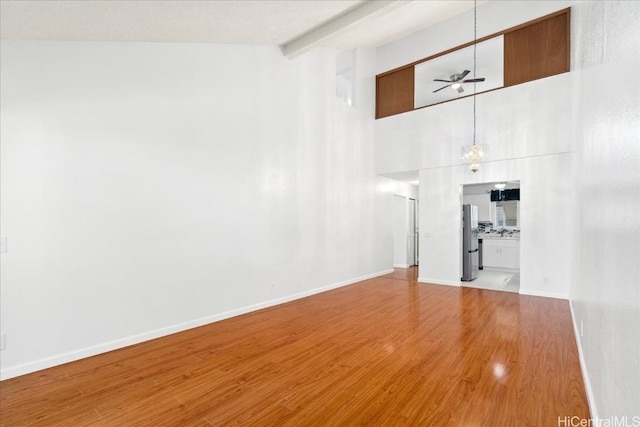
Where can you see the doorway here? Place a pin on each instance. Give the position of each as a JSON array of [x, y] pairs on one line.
[[498, 234], [405, 231], [412, 236]]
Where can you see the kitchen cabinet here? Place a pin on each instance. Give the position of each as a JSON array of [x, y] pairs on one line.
[[500, 253]]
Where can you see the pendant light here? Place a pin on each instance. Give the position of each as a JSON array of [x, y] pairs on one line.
[[474, 153]]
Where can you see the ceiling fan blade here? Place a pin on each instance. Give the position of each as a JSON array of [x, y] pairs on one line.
[[480, 79], [443, 87], [463, 75], [440, 80], [460, 90]]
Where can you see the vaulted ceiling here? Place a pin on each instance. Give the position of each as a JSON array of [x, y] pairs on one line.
[[296, 25]]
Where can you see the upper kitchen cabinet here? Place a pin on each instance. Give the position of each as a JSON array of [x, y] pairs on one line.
[[501, 207], [531, 51]]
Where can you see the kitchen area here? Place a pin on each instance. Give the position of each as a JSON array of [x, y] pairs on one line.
[[491, 236]]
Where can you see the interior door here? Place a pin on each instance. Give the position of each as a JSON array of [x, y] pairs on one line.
[[412, 233]]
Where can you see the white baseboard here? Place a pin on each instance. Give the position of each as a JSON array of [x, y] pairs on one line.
[[583, 366], [401, 266], [438, 282], [545, 294], [82, 353]]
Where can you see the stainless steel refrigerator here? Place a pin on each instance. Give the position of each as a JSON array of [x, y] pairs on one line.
[[469, 242]]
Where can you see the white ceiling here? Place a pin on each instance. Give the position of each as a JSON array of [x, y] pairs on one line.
[[270, 22]]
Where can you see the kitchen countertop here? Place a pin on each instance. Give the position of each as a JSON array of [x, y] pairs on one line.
[[497, 236]]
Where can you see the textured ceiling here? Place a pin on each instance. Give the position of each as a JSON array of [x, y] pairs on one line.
[[238, 22], [216, 21]]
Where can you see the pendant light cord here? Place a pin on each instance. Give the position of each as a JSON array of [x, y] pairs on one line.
[[475, 37]]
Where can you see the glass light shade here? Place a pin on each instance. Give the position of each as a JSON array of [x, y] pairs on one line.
[[474, 154]]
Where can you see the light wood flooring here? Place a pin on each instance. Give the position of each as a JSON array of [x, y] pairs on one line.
[[384, 352]]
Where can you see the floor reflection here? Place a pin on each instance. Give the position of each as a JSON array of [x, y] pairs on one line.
[[410, 274]]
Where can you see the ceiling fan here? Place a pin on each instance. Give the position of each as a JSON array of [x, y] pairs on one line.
[[457, 80]]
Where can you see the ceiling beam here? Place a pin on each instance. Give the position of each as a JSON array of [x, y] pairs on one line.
[[315, 36]]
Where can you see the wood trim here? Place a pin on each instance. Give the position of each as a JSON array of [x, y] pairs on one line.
[[515, 68], [537, 51], [453, 49], [457, 98], [397, 91], [566, 11]]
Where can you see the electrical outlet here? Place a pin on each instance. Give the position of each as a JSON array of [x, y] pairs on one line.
[[3, 342]]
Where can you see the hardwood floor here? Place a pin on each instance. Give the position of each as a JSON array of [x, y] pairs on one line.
[[386, 351]]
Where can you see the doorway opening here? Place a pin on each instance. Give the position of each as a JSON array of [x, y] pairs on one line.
[[497, 233], [405, 231]]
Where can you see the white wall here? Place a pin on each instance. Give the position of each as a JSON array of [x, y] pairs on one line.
[[148, 188], [573, 141], [546, 214], [606, 293], [527, 128], [483, 202], [527, 120], [400, 215], [405, 189], [402, 192], [492, 17]]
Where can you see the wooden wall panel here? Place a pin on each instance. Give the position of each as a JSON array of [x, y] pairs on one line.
[[394, 92], [533, 50], [537, 51]]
